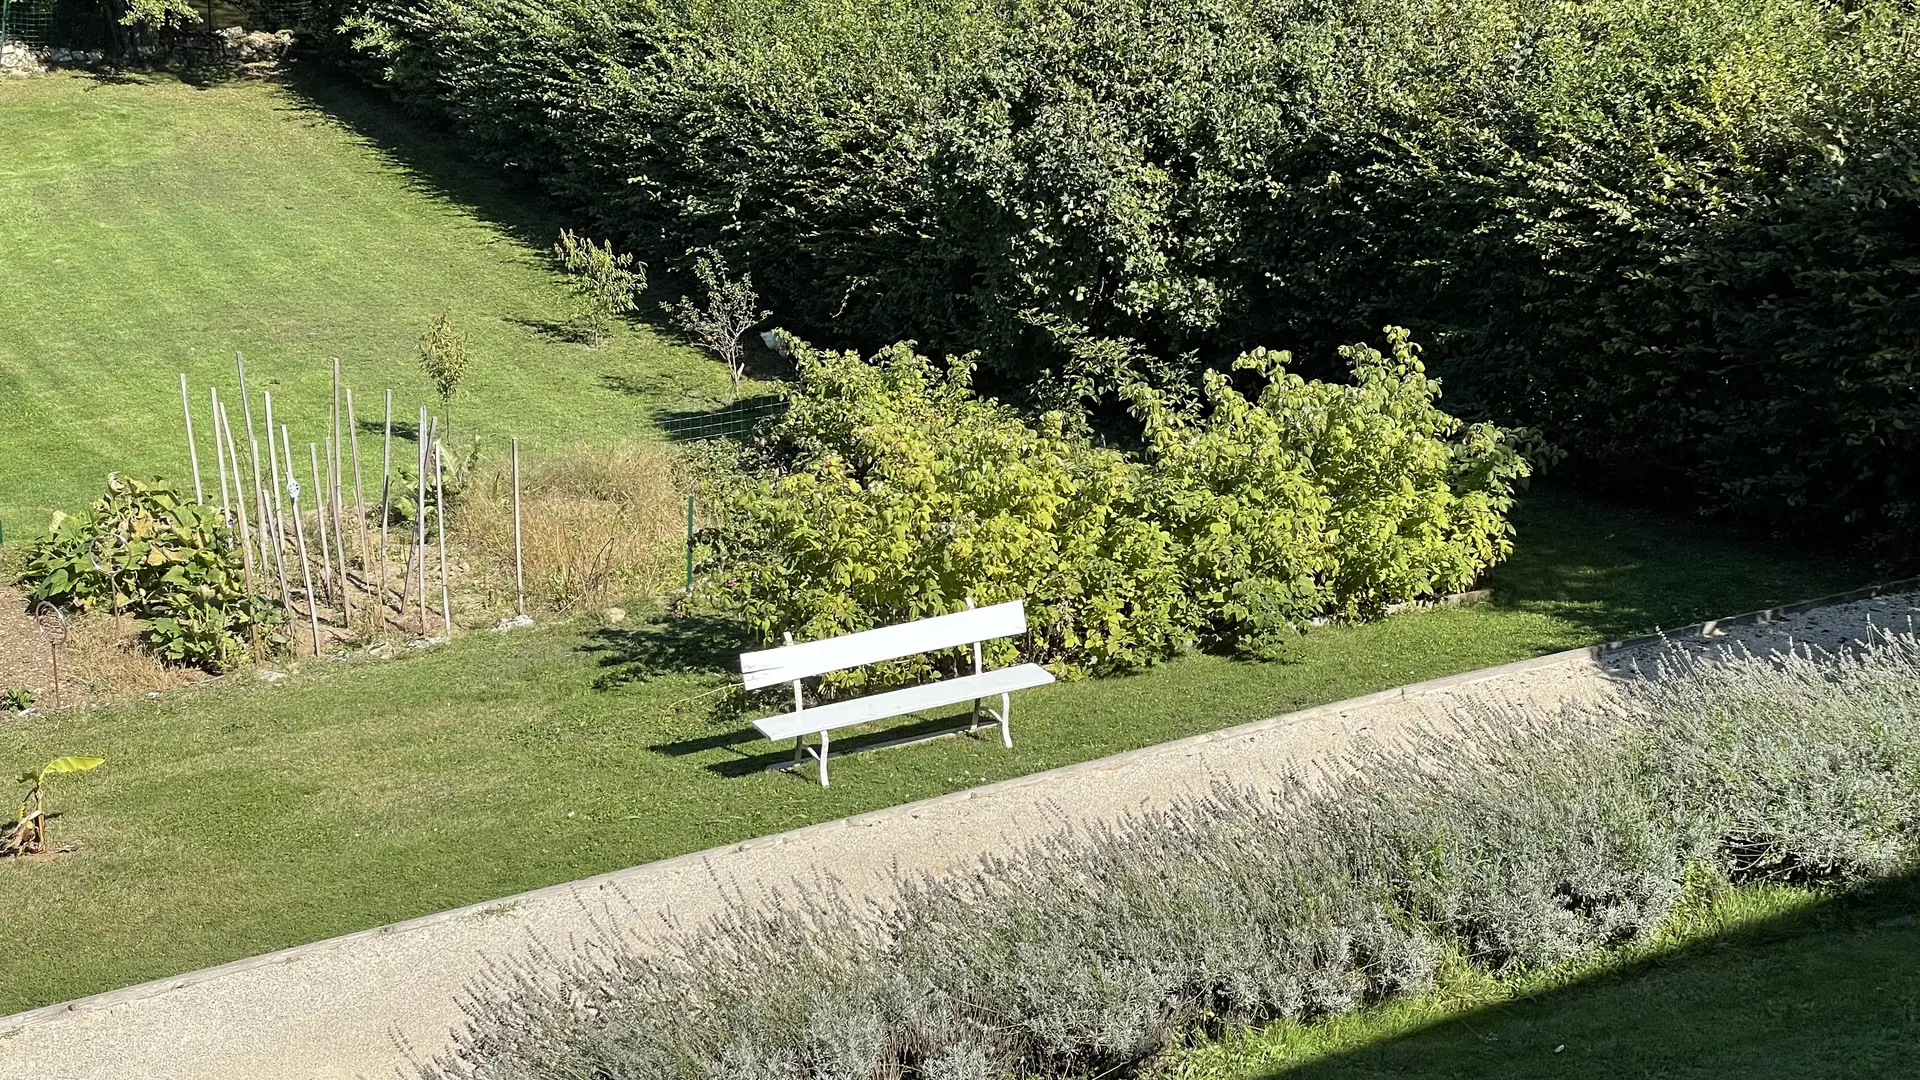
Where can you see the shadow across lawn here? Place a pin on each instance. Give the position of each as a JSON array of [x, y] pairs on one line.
[[1832, 990], [752, 753], [1614, 571], [691, 645]]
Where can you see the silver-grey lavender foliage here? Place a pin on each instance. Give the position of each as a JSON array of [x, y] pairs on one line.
[[1534, 841]]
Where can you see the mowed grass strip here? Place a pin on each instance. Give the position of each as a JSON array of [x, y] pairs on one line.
[[239, 817], [151, 228]]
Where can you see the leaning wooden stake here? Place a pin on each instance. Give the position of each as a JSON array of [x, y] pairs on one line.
[[219, 458], [193, 451], [336, 492], [420, 518], [339, 539], [300, 534], [246, 540], [260, 517], [320, 521], [519, 570], [386, 505], [440, 523], [359, 493], [279, 508]]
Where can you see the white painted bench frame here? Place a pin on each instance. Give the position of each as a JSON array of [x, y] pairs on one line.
[[973, 626]]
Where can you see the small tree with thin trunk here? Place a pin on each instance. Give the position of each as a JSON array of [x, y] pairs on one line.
[[731, 310], [607, 284], [444, 357]]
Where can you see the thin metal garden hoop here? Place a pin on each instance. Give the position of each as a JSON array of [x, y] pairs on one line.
[[52, 624]]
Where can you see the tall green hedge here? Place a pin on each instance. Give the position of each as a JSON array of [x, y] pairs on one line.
[[1682, 237]]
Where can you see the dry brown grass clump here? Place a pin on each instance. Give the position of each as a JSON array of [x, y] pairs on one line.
[[597, 526]]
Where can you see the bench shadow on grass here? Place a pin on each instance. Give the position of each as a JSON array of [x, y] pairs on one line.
[[751, 753], [1832, 990]]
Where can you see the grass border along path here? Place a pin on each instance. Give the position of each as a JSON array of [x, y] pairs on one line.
[[240, 818]]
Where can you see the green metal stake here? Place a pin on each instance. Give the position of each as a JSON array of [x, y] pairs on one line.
[[6, 9], [689, 543]]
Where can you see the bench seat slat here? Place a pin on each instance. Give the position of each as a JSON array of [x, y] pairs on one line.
[[807, 659], [901, 702]]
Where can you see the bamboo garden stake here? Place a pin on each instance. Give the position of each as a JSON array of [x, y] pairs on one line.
[[193, 451], [219, 459], [339, 538], [420, 516], [359, 494], [279, 495], [246, 540], [320, 521], [253, 452], [300, 534], [519, 572], [440, 524]]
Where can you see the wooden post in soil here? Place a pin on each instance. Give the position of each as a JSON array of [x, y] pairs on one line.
[[340, 543], [246, 539], [320, 521], [260, 518], [300, 534], [386, 503], [279, 508], [519, 570], [440, 523], [420, 518], [219, 459], [336, 499], [359, 492], [193, 451]]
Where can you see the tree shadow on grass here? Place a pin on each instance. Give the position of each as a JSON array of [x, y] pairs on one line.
[[1619, 573], [432, 160], [693, 645], [1829, 991]]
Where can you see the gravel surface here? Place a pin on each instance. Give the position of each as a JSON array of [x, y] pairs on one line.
[[358, 1006]]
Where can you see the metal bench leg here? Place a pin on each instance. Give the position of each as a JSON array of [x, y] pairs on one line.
[[973, 723], [799, 749], [1006, 717], [823, 759]]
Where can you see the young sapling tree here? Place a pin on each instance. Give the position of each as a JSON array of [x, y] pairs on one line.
[[444, 357], [731, 309], [607, 284]]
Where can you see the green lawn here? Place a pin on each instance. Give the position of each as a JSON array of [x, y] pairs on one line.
[[1763, 983], [152, 228], [238, 817]]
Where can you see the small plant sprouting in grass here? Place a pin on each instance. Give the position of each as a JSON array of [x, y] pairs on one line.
[[607, 284], [28, 835], [444, 357], [731, 310], [17, 699]]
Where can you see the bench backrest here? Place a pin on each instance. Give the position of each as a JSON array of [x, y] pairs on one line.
[[809, 658]]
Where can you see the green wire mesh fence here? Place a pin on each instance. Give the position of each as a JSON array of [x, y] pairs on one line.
[[735, 420]]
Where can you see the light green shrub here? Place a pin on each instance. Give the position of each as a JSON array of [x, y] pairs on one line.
[[889, 492], [898, 494]]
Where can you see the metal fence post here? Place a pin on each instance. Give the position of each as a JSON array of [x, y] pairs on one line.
[[689, 543], [6, 12]]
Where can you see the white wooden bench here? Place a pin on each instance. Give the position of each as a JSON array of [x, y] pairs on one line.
[[971, 627]]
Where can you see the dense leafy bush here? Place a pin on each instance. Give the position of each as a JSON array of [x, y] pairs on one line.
[[888, 491], [893, 493], [1528, 842], [1676, 235], [144, 550]]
